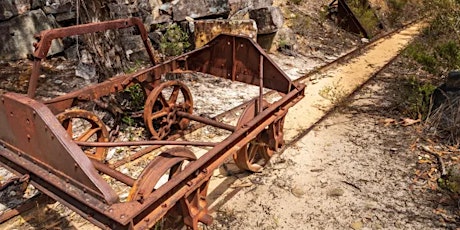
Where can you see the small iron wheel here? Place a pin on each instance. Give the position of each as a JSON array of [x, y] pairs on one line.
[[256, 154], [82, 125], [161, 106], [168, 164]]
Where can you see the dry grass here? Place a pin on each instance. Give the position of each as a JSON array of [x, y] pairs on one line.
[[444, 121]]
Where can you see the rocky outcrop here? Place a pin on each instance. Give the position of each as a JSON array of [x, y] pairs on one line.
[[199, 9], [269, 19], [20, 19], [17, 33]]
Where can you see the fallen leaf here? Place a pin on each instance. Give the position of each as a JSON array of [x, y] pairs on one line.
[[388, 121], [357, 225], [408, 122]]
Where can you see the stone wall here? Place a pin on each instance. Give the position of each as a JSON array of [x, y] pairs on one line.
[[21, 19]]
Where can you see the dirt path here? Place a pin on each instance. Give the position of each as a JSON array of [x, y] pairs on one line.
[[350, 171]]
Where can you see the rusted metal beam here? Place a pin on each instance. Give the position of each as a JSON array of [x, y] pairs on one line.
[[103, 168], [207, 121], [140, 143]]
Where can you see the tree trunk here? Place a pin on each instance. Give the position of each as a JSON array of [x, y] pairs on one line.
[[105, 48]]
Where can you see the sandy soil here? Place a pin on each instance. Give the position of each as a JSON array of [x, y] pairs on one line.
[[350, 171]]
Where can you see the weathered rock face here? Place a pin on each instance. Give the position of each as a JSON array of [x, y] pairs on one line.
[[236, 5], [11, 8], [199, 8], [17, 35], [20, 19], [7, 10], [268, 19], [206, 30]]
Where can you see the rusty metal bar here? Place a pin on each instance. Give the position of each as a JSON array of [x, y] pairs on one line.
[[27, 205], [103, 168], [138, 143], [207, 121], [135, 156], [46, 37], [261, 84]]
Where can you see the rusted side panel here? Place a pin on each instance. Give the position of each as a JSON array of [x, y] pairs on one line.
[[206, 30], [29, 129], [237, 58]]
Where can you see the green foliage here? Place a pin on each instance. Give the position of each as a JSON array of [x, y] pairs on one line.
[[416, 97], [438, 58], [136, 96], [175, 41], [438, 48], [449, 53], [301, 24], [364, 13], [134, 67], [128, 120], [420, 54], [397, 5]]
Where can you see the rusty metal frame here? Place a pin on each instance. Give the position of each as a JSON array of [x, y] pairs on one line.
[[34, 143], [348, 20]]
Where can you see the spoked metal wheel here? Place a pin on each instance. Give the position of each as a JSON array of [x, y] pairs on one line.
[[165, 165], [84, 126], [256, 154], [161, 107]]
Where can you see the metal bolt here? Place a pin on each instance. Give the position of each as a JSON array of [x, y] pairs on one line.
[[164, 205], [205, 171], [28, 121], [111, 210], [189, 183], [122, 216]]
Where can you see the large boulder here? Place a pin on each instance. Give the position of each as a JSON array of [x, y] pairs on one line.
[[17, 35], [238, 5], [58, 6], [268, 19], [206, 30], [7, 10], [11, 8], [261, 3], [199, 8]]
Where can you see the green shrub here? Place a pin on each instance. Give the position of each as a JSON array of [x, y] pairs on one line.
[[449, 53], [175, 41], [422, 55], [416, 97], [301, 24], [365, 14]]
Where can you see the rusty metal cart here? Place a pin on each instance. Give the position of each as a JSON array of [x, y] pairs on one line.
[[37, 142]]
